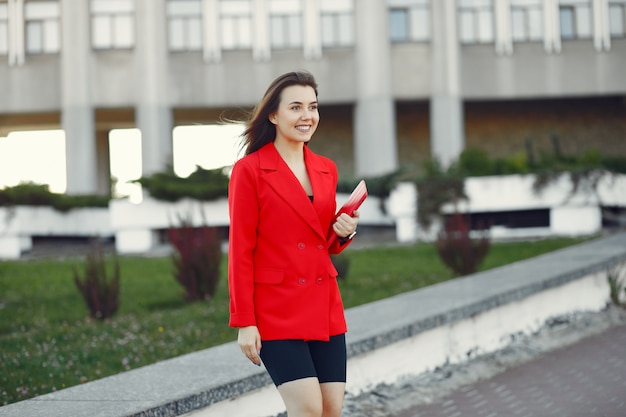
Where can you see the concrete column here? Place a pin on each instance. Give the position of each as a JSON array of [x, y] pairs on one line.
[[447, 137], [153, 113], [374, 118], [312, 29], [77, 114], [504, 36], [601, 25], [16, 32], [261, 48], [211, 21], [552, 26]]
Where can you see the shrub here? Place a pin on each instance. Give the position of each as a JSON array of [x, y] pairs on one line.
[[196, 259], [617, 284], [202, 185], [31, 194], [458, 250], [101, 293]]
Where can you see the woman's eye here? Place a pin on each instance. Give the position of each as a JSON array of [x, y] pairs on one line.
[[295, 108], [313, 108]]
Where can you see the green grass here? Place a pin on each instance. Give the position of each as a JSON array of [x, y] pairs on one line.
[[47, 341]]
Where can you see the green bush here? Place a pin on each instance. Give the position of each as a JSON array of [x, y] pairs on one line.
[[31, 194], [202, 185]]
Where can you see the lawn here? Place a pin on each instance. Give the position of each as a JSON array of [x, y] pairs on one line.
[[47, 341]]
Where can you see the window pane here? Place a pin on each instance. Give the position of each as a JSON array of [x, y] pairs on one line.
[[346, 30], [41, 10], [420, 24], [235, 7], [398, 25], [34, 37], [228, 33], [285, 6], [277, 31], [101, 35], [112, 6], [51, 36], [4, 38], [177, 40], [295, 32], [583, 22], [336, 6], [195, 34], [518, 23], [566, 16], [123, 29], [4, 29], [535, 24], [485, 25], [616, 18], [184, 7], [467, 27]]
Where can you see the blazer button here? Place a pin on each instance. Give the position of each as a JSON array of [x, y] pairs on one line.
[[320, 247], [301, 245], [319, 280], [301, 281]]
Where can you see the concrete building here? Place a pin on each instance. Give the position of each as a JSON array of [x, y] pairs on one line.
[[400, 80]]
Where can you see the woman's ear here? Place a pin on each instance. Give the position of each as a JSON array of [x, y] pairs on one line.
[[272, 118]]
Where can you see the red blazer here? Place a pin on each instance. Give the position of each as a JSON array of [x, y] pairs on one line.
[[280, 275]]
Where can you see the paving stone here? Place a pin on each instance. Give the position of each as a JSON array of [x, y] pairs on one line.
[[585, 379]]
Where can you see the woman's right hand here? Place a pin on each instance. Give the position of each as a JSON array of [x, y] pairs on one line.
[[249, 340]]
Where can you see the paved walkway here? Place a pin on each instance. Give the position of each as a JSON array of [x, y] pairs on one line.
[[586, 379]]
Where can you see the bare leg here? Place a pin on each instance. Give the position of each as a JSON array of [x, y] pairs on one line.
[[332, 398], [302, 397]]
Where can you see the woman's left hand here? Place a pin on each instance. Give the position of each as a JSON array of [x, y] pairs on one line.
[[346, 225]]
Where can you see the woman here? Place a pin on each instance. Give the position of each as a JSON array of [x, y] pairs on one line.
[[284, 297]]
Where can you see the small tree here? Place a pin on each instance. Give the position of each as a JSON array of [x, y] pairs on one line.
[[196, 259], [457, 249], [101, 293]]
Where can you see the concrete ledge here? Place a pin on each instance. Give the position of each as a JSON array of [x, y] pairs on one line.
[[405, 334]]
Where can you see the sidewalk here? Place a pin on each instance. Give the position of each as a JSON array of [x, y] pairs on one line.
[[586, 379]]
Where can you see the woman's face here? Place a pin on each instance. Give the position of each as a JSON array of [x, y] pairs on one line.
[[297, 117]]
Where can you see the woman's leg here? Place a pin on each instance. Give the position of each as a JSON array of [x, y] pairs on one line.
[[332, 398], [302, 397]]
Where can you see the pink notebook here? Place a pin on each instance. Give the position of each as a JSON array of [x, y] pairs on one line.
[[358, 196]]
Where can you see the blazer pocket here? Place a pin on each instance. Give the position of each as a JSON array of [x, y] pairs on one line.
[[268, 276]]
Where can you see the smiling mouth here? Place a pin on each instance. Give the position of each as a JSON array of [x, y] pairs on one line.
[[303, 129]]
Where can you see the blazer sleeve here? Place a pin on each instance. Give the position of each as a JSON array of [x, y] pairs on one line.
[[244, 216]]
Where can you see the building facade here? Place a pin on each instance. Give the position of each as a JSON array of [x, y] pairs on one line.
[[401, 81]]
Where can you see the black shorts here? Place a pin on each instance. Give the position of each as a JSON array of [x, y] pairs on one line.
[[288, 360]]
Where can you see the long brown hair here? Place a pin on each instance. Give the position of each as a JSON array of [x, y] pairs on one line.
[[259, 130]]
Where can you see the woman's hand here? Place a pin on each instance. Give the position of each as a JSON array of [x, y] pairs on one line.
[[346, 225], [249, 340]]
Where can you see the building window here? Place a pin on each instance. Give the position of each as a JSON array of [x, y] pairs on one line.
[[575, 19], [409, 20], [527, 20], [476, 21], [285, 23], [236, 24], [4, 29], [617, 18], [184, 20], [112, 24], [337, 18], [41, 20]]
